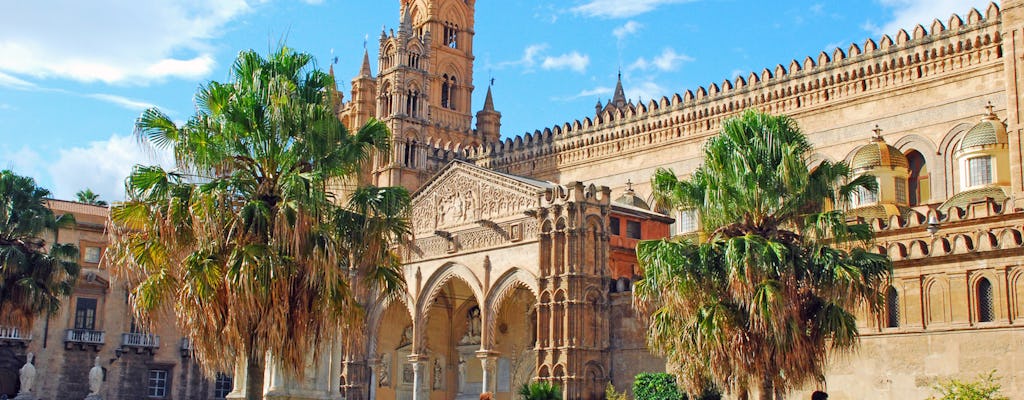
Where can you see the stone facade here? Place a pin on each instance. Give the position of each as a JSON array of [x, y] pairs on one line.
[[519, 249], [96, 321]]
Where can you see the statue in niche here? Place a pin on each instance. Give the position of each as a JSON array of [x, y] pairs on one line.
[[462, 374], [385, 372], [406, 336], [27, 375], [472, 335], [470, 213], [438, 374]]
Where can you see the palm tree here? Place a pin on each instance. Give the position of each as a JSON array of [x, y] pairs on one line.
[[540, 391], [33, 279], [243, 243], [773, 285], [88, 197]]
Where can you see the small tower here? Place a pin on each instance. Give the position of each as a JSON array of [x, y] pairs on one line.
[[890, 169], [488, 120], [364, 93]]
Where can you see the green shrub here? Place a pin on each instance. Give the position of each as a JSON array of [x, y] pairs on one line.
[[662, 386], [656, 386], [540, 391], [987, 387], [611, 394]]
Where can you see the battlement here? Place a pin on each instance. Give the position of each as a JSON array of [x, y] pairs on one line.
[[804, 86]]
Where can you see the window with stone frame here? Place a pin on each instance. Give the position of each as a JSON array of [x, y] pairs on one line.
[[901, 190], [615, 225], [865, 197], [986, 309], [979, 171], [687, 221], [85, 313], [892, 306], [157, 386], [91, 254], [222, 385], [633, 229]]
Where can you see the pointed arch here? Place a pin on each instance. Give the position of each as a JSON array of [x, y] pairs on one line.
[[437, 281], [502, 288]]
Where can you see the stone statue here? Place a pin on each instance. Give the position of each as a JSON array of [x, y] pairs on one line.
[[462, 374], [385, 372], [474, 322], [438, 374], [95, 379], [28, 376]]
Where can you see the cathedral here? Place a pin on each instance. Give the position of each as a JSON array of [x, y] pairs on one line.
[[521, 260]]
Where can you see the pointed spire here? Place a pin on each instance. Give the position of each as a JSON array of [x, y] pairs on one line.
[[364, 71], [619, 99], [488, 101]]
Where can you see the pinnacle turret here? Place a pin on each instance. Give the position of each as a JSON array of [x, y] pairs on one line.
[[488, 101], [364, 71], [619, 99]]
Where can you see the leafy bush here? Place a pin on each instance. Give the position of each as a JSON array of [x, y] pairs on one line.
[[662, 386], [611, 394], [540, 391], [987, 387], [656, 386]]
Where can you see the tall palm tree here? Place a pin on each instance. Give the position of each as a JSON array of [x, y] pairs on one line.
[[773, 286], [87, 196], [33, 279], [243, 243]]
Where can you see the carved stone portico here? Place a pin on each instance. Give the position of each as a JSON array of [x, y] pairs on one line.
[[495, 263]]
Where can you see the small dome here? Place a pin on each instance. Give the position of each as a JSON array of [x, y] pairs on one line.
[[879, 211], [963, 199], [630, 199], [988, 132], [878, 154]]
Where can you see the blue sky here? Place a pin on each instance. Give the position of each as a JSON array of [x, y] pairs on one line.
[[74, 75]]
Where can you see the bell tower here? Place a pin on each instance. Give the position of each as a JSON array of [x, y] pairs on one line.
[[425, 87]]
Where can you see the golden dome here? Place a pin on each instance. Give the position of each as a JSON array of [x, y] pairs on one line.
[[990, 131], [878, 153]]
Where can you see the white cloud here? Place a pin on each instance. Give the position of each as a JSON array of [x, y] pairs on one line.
[[23, 161], [621, 8], [574, 61], [529, 58], [101, 166], [313, 2], [668, 60], [14, 83], [112, 41], [124, 102], [629, 28], [598, 91], [645, 91], [906, 14]]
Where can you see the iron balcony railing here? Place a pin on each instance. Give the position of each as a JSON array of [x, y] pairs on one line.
[[7, 333], [84, 336], [140, 340]]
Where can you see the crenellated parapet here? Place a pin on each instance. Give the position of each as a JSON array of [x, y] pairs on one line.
[[828, 79]]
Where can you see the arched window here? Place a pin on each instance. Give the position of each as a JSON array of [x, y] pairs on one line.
[[892, 306], [386, 100], [412, 100], [451, 35], [918, 184], [448, 91], [444, 91], [986, 312]]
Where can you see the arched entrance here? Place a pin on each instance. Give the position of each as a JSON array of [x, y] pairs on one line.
[[393, 344], [10, 363], [515, 338]]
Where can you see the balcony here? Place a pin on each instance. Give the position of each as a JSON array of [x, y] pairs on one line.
[[83, 338], [13, 337], [140, 342]]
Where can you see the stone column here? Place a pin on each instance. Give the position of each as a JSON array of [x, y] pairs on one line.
[[487, 362], [417, 375]]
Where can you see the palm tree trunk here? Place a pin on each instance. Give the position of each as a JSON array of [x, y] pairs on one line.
[[767, 391], [254, 367], [743, 394]]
